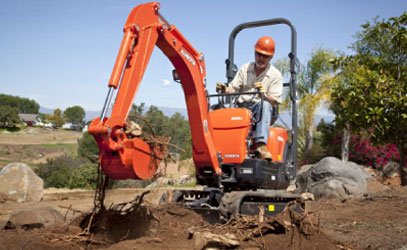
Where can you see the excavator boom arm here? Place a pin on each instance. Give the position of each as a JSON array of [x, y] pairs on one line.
[[145, 28]]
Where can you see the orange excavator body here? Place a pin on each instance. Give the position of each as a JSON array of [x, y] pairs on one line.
[[237, 180], [222, 139], [230, 128]]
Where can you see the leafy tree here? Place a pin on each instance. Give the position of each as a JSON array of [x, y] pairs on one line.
[[156, 121], [57, 118], [179, 131], [328, 138], [9, 117], [137, 110], [88, 148], [74, 115], [371, 90], [24, 105]]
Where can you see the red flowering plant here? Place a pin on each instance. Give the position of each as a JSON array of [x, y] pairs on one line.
[[362, 151]]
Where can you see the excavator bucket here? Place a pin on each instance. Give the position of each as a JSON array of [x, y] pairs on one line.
[[127, 158]]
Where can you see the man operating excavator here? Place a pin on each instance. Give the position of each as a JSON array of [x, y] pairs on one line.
[[259, 75]]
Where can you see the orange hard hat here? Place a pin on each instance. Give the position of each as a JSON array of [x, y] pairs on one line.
[[265, 45]]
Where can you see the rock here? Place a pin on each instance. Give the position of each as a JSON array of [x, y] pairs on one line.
[[35, 218], [184, 179], [391, 170], [292, 187], [161, 181], [5, 198], [307, 196], [133, 129], [332, 177], [202, 240], [20, 183]]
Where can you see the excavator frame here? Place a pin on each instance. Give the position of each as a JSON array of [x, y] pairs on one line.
[[126, 157]]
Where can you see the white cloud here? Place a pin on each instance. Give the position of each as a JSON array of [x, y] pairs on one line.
[[166, 82]]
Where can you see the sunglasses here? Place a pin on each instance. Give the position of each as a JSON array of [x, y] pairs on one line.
[[262, 55]]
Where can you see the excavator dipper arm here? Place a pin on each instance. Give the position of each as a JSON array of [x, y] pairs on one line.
[[122, 157]]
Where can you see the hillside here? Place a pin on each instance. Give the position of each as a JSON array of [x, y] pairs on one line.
[[36, 145]]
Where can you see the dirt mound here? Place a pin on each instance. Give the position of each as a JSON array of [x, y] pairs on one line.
[[136, 225]]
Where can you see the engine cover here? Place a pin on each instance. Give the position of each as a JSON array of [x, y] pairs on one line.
[[230, 128]]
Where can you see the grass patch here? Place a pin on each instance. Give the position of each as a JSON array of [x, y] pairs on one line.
[[70, 149]]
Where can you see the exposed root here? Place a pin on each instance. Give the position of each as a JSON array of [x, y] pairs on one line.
[[122, 221], [294, 218], [158, 144]]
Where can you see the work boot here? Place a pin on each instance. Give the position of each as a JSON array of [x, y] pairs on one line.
[[263, 151]]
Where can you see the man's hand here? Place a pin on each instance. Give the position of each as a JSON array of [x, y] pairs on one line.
[[259, 86], [220, 87]]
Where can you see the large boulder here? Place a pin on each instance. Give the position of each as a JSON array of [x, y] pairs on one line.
[[332, 178], [20, 183], [35, 218]]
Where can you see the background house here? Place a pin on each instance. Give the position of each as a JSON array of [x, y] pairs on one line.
[[30, 119]]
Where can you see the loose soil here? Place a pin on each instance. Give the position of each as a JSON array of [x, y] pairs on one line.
[[375, 221]]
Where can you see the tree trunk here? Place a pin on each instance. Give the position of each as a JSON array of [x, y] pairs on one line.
[[345, 143], [309, 135], [403, 167]]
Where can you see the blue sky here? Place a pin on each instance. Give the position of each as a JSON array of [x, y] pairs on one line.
[[61, 53]]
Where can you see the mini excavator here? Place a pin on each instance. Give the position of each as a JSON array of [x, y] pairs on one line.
[[235, 179]]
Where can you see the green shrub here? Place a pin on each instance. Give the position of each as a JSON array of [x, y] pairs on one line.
[[88, 148], [68, 172]]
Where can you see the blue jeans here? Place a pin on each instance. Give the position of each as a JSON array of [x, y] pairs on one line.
[[261, 131]]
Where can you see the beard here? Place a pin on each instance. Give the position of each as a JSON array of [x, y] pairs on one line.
[[261, 65]]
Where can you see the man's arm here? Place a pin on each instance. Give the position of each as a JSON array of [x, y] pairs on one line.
[[274, 90]]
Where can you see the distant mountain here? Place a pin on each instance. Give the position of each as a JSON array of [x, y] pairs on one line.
[[89, 115], [43, 110], [168, 111]]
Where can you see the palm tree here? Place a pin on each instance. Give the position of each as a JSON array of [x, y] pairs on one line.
[[314, 87]]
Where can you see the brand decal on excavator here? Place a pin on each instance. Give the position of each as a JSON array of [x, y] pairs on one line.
[[231, 155], [236, 118], [187, 56]]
